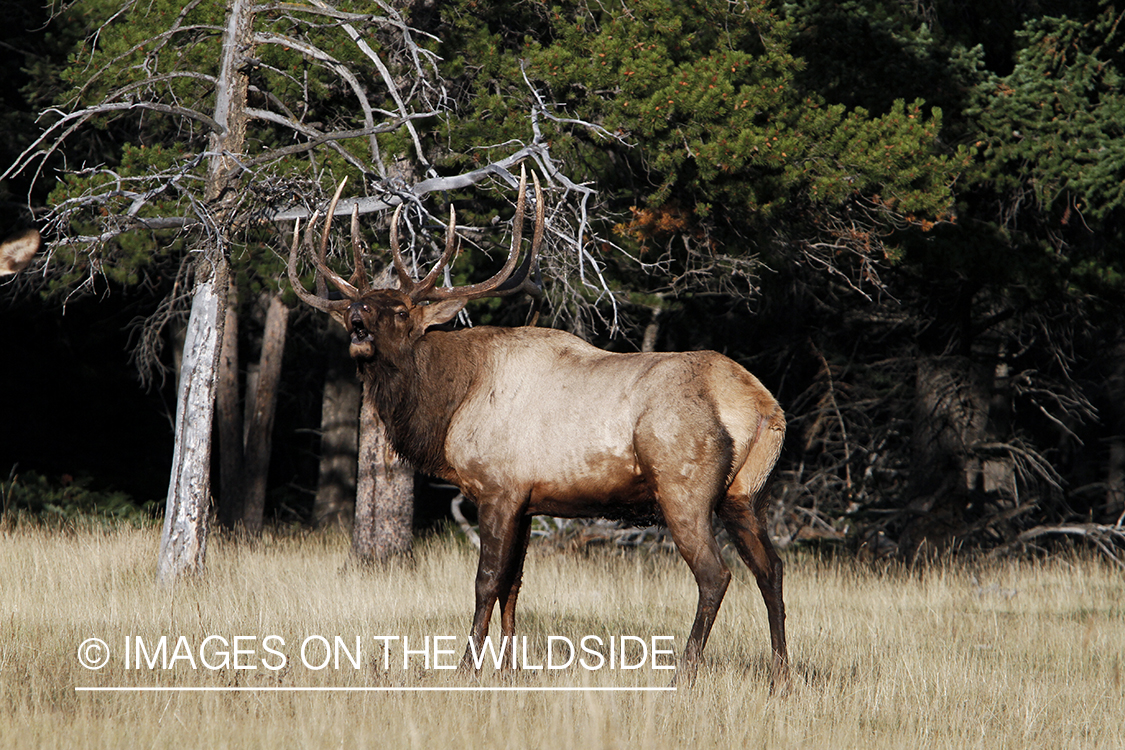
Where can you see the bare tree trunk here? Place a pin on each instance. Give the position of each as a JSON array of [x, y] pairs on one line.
[[231, 461], [384, 507], [259, 433], [339, 439], [394, 504], [652, 330], [183, 543], [245, 443], [364, 533]]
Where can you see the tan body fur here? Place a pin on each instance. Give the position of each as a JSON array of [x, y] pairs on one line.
[[17, 251], [583, 429]]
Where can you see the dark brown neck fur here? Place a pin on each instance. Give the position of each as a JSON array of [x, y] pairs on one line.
[[417, 390]]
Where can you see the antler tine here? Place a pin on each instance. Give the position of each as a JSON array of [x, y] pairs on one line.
[[359, 275], [527, 278], [319, 256], [319, 301], [519, 281], [486, 288], [540, 216], [318, 278], [332, 212], [405, 280], [425, 285]]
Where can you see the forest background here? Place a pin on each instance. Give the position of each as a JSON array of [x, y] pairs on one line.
[[904, 217]]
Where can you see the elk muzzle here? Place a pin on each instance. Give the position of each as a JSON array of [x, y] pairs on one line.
[[362, 343]]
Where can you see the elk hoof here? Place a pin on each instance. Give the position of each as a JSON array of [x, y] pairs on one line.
[[780, 684], [685, 674]]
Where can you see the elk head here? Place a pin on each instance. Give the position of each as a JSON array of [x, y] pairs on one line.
[[389, 321]]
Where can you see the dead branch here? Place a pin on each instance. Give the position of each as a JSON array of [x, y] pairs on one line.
[[331, 140], [388, 81], [75, 120], [315, 53], [1109, 540], [463, 523]]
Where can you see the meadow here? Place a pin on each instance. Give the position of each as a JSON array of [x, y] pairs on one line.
[[956, 654]]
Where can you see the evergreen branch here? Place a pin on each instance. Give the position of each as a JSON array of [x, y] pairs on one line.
[[157, 41], [344, 72], [392, 89], [308, 132]]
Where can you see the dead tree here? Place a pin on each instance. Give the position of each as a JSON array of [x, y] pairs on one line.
[[222, 189]]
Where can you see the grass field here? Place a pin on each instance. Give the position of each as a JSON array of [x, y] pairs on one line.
[[998, 655]]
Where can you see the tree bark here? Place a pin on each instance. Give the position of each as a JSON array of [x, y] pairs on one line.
[[259, 433], [652, 330], [950, 416], [230, 420], [384, 507], [245, 444], [183, 543], [339, 439]]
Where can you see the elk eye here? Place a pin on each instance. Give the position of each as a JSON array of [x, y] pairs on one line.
[[401, 315]]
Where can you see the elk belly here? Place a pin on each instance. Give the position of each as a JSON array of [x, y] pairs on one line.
[[561, 469], [626, 497]]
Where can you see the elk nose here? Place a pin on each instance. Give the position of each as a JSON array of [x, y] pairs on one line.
[[356, 311]]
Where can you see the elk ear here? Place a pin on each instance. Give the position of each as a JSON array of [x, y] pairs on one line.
[[436, 313]]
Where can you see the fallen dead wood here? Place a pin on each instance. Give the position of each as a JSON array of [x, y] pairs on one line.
[[1109, 540]]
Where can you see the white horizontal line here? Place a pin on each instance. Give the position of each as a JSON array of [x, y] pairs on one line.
[[372, 689]]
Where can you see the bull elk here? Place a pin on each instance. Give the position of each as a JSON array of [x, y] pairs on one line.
[[529, 421]]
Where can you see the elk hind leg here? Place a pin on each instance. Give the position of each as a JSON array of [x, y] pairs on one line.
[[696, 543], [743, 516]]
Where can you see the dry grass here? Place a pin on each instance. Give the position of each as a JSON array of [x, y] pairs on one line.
[[1011, 655]]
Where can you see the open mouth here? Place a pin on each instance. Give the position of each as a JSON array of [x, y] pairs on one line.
[[360, 334]]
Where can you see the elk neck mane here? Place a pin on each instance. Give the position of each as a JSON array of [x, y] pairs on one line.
[[417, 391]]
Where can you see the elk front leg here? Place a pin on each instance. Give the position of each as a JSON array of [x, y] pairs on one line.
[[510, 589], [503, 542]]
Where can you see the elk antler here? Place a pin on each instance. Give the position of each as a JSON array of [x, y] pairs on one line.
[[405, 281], [504, 283], [359, 274], [319, 301], [526, 278], [345, 288], [318, 252]]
